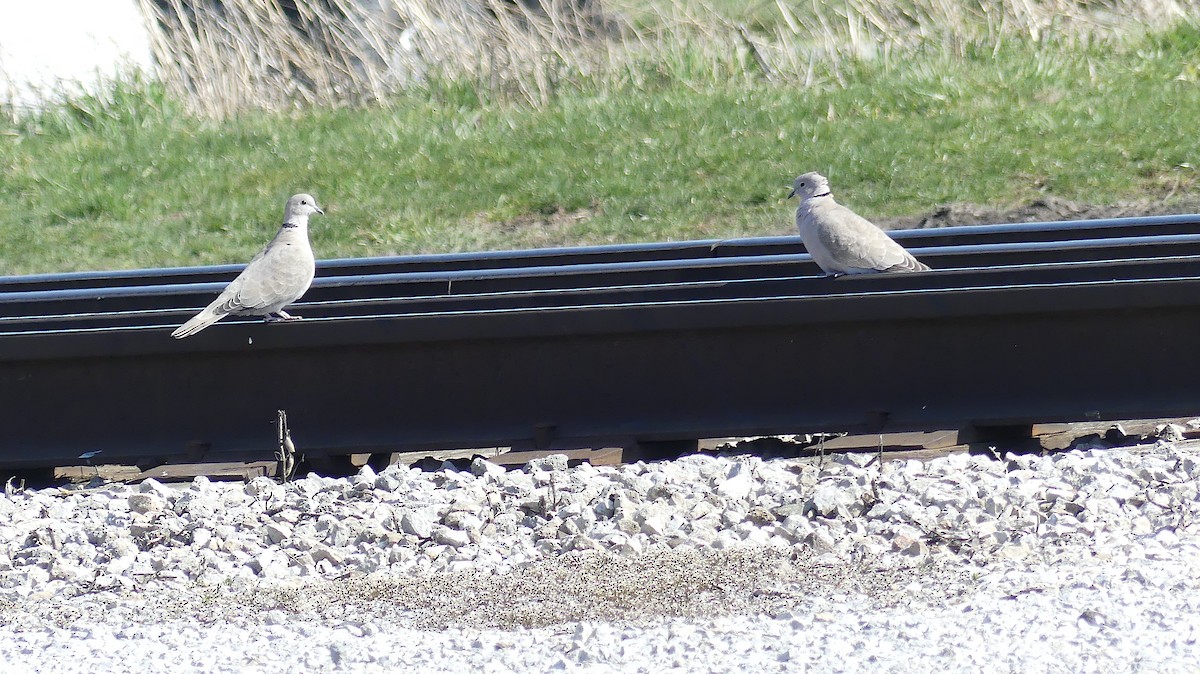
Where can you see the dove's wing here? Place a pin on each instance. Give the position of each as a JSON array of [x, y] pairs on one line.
[[858, 246], [275, 278]]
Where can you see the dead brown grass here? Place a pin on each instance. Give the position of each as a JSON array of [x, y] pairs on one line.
[[255, 54]]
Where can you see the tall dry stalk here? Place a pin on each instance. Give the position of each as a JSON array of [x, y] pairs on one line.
[[222, 56], [225, 55]]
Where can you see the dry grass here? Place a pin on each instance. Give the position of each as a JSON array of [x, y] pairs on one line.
[[253, 54]]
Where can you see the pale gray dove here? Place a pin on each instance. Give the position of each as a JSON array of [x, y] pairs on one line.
[[275, 278], [839, 240]]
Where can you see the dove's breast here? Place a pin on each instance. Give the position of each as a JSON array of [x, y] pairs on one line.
[[279, 277], [294, 271]]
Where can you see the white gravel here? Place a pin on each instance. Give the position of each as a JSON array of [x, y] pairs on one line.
[[1087, 561]]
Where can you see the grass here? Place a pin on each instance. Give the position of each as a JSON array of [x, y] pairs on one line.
[[130, 180]]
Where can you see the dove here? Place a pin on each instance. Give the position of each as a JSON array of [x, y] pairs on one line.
[[275, 278], [839, 240]]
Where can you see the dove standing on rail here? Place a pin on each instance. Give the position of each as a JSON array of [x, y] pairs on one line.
[[839, 240], [275, 278]]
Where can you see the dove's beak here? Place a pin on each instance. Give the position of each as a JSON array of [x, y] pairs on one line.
[[792, 193], [319, 209]]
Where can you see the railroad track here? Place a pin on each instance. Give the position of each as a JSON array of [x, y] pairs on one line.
[[1112, 230], [643, 347]]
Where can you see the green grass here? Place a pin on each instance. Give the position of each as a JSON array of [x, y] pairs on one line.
[[131, 181]]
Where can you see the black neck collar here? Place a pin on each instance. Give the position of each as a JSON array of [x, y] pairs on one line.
[[290, 225], [823, 194]]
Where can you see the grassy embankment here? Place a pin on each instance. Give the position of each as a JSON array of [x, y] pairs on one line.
[[130, 179]]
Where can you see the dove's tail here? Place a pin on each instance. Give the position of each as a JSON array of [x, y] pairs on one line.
[[197, 323], [910, 263]]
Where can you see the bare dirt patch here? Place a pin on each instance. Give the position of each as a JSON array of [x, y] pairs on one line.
[[546, 227], [554, 220], [591, 586], [1046, 209]]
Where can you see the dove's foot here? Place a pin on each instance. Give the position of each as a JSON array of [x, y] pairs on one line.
[[280, 316]]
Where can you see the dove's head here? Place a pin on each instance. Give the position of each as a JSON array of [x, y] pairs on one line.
[[810, 185], [299, 207]]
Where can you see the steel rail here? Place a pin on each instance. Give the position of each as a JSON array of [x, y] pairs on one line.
[[393, 294], [609, 354], [190, 297], [1073, 230], [615, 374], [554, 377]]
